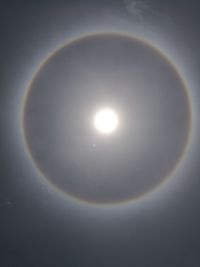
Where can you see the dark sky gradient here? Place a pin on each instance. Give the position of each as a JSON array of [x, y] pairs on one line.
[[40, 228]]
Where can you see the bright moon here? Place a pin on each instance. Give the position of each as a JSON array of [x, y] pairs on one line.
[[106, 121]]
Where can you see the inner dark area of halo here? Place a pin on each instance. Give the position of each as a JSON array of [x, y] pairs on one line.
[[121, 72]]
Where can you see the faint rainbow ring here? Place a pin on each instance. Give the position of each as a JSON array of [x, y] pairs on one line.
[[187, 93]]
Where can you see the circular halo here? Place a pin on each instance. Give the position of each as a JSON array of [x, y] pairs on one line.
[[184, 148]]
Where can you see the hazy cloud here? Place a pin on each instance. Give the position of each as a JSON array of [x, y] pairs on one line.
[[136, 8]]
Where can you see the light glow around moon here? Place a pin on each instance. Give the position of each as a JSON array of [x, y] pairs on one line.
[[106, 121], [127, 168]]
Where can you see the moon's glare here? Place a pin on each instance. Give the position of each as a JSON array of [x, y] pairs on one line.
[[106, 121]]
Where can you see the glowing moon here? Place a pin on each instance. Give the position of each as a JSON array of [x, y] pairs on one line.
[[106, 121]]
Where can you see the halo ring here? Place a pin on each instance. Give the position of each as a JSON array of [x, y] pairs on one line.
[[179, 159]]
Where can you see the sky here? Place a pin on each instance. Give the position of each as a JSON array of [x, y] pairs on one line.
[[39, 225]]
